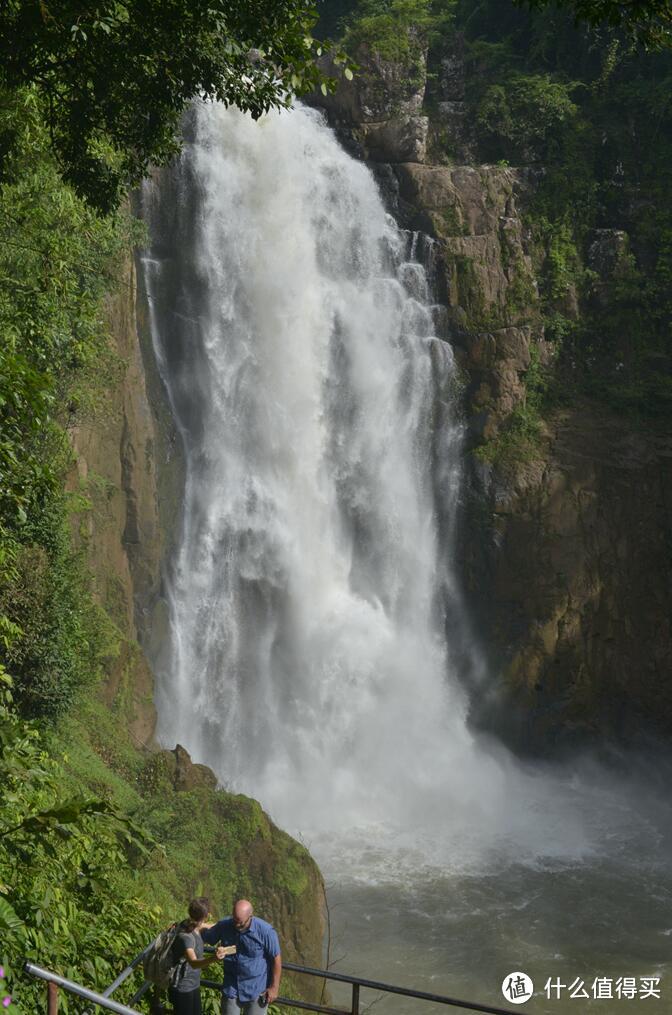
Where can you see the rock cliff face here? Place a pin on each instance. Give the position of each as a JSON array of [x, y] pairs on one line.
[[573, 554], [380, 116], [479, 260], [482, 273], [116, 454], [565, 553]]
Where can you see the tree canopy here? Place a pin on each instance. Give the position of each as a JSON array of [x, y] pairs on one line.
[[114, 75], [648, 22]]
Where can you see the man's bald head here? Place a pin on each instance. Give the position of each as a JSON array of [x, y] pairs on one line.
[[242, 914]]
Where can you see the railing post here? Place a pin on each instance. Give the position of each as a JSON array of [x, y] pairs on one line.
[[52, 999], [355, 999]]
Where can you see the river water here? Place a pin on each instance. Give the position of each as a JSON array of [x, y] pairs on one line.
[[460, 928], [313, 586]]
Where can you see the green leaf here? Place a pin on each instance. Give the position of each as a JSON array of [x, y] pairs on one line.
[[9, 921]]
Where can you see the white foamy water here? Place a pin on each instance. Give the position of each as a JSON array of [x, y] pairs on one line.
[[313, 583], [309, 664]]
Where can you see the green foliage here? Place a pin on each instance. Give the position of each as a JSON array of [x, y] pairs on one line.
[[561, 269], [647, 22], [525, 117], [5, 998], [521, 296], [112, 77], [593, 110], [65, 637], [68, 868], [564, 263], [627, 337], [58, 259], [559, 328], [521, 435], [397, 30]]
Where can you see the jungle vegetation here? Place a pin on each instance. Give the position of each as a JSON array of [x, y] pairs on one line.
[[90, 96]]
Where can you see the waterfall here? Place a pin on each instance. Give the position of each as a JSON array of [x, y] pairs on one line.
[[316, 629], [313, 585]]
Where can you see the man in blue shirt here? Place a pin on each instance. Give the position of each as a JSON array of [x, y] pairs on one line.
[[252, 975]]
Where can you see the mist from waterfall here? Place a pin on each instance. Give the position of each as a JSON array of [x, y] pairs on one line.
[[313, 586]]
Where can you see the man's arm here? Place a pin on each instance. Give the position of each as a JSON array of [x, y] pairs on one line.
[[273, 988], [211, 934]]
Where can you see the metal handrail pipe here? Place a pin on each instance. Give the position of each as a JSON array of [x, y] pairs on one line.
[[388, 988], [141, 992], [308, 1006], [287, 1001], [78, 989], [324, 974], [126, 972]]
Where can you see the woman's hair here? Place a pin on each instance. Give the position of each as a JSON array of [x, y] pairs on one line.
[[198, 910]]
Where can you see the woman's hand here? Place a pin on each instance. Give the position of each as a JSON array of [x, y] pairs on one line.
[[220, 952]]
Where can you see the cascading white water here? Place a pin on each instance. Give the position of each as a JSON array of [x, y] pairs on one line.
[[308, 662]]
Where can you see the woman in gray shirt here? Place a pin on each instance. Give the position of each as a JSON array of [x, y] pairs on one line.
[[185, 986]]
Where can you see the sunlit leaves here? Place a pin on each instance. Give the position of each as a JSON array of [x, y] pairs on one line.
[[124, 72], [397, 30], [9, 921], [56, 261], [66, 878]]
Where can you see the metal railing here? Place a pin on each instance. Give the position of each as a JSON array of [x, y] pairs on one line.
[[386, 988], [54, 981]]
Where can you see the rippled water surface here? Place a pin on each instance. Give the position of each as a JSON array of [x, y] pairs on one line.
[[461, 936]]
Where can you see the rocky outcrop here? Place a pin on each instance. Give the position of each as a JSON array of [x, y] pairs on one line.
[[183, 772], [573, 556], [379, 116], [451, 130], [483, 273], [608, 257]]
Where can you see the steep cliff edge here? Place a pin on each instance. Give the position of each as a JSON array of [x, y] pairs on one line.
[[567, 527], [115, 455]]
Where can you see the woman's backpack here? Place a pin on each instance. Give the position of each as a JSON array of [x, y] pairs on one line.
[[159, 960]]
